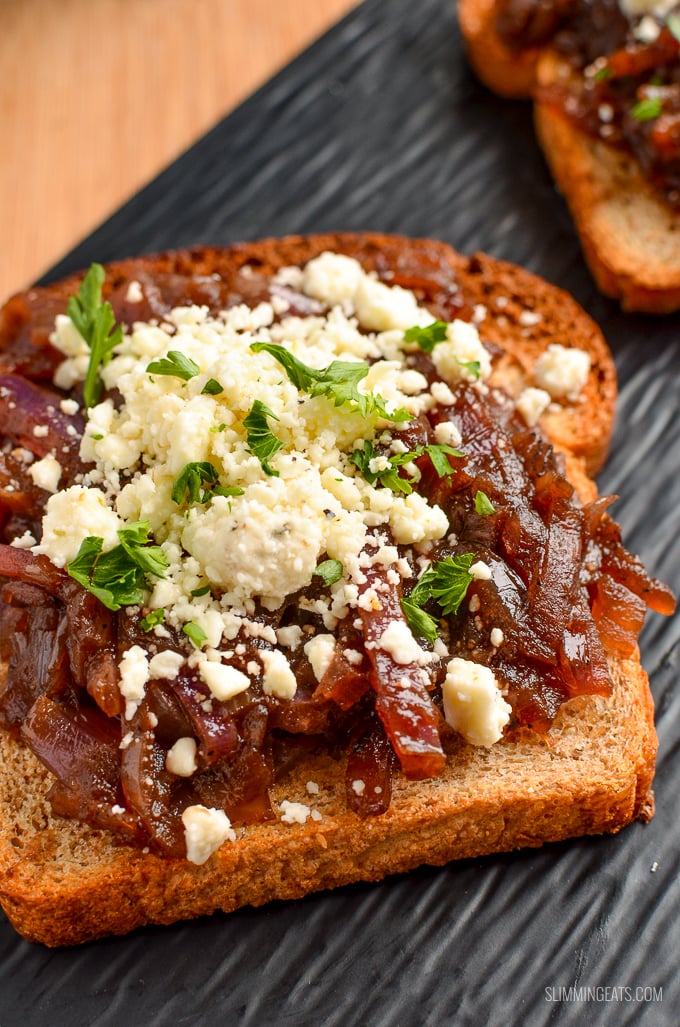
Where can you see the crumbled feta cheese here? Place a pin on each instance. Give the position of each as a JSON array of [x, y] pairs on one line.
[[462, 346], [294, 812], [278, 678], [397, 639], [312, 788], [181, 757], [72, 515], [532, 403], [473, 703], [529, 318], [165, 664], [319, 651], [480, 571], [562, 371], [46, 473], [134, 674], [496, 637], [448, 434], [358, 786], [134, 293], [223, 680], [205, 831]]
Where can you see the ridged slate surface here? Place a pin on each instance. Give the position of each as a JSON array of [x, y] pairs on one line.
[[380, 125]]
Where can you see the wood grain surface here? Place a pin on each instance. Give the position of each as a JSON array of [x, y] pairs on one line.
[[97, 96]]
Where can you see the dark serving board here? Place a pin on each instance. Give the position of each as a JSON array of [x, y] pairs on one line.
[[380, 125]]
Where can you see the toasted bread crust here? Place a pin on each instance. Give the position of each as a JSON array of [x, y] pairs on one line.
[[629, 234], [507, 72], [62, 882]]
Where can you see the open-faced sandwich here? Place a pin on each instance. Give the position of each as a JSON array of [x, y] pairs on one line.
[[605, 79], [304, 579]]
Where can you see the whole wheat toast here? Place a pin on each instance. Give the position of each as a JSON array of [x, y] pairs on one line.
[[63, 882], [630, 235]]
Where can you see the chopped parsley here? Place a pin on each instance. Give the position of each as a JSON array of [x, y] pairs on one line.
[[195, 633], [212, 388], [95, 322], [483, 504], [602, 74], [118, 577], [152, 619], [338, 382], [188, 487], [329, 571], [673, 25], [647, 109], [386, 469], [446, 582], [427, 337], [473, 367], [261, 439], [175, 365]]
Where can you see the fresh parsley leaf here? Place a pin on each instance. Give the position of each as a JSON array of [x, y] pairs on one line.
[[152, 619], [198, 592], [175, 365], [473, 367], [439, 454], [95, 322], [261, 440], [338, 382], [451, 580], [388, 475], [483, 504], [118, 577], [602, 74], [195, 633], [422, 624], [329, 571], [427, 337], [212, 388], [445, 581], [189, 484], [647, 109]]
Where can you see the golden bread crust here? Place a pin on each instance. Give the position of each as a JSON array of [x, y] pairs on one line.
[[630, 236]]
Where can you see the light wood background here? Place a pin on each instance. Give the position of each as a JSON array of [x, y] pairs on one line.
[[97, 96]]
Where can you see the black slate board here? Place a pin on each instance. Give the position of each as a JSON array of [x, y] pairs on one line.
[[380, 125]]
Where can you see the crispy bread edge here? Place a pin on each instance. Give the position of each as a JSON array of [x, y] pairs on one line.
[[629, 235], [64, 883]]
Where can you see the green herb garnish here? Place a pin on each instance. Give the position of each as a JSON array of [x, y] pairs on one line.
[[175, 365], [118, 577], [602, 74], [195, 633], [647, 109], [473, 367], [329, 571], [338, 382], [388, 475], [95, 322], [152, 619], [196, 593], [446, 582], [483, 504], [212, 388], [427, 337], [261, 439], [189, 484]]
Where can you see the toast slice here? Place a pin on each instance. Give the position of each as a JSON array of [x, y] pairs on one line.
[[64, 882], [629, 234]]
